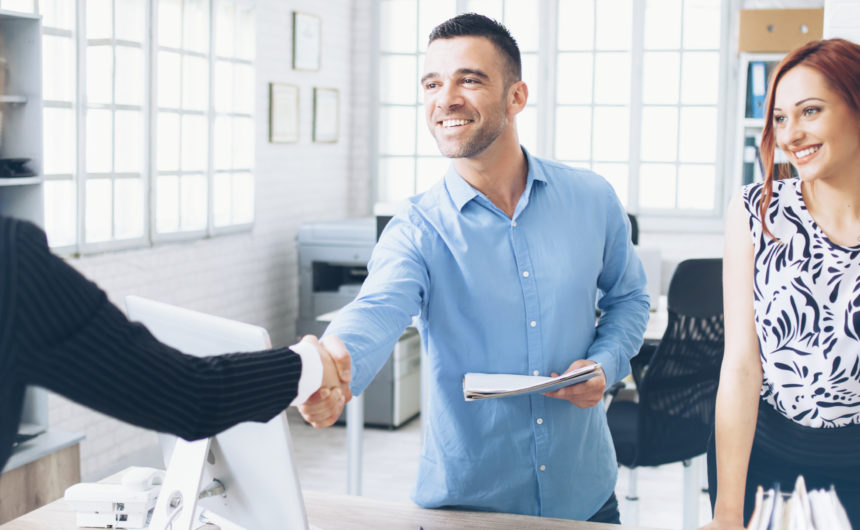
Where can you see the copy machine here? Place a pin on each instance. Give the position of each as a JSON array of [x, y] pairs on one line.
[[333, 258]]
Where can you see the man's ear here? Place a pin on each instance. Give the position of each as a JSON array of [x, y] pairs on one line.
[[518, 96]]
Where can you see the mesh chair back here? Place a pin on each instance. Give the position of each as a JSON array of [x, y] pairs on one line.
[[677, 392]]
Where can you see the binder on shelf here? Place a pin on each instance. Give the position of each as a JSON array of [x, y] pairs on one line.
[[757, 88], [751, 159]]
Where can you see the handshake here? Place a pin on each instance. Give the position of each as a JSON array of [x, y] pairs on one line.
[[325, 405]]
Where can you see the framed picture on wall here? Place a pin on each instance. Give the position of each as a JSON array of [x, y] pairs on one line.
[[307, 31], [283, 113], [325, 114]]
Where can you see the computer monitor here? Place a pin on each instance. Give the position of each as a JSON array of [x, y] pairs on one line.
[[253, 461]]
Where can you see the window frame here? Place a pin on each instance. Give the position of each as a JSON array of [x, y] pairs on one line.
[[148, 109], [652, 219]]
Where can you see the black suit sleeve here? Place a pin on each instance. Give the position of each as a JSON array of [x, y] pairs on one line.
[[73, 341]]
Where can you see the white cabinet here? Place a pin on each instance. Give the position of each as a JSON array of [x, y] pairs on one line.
[[21, 137], [753, 79], [21, 118]]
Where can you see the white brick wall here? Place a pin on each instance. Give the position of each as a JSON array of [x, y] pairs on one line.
[[252, 277]]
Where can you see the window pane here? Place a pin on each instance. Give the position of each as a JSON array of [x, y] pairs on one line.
[[489, 8], [398, 80], [617, 175], [193, 209], [194, 140], [99, 141], [426, 143], [659, 134], [130, 19], [611, 130], [701, 74], [170, 23], [575, 24], [430, 171], [224, 32], [222, 191], [129, 75], [573, 133], [60, 200], [57, 13], [246, 42], [59, 140], [98, 210], [399, 18], [527, 127], [521, 19], [128, 211], [662, 24], [243, 143], [195, 83], [431, 13], [169, 79], [530, 75], [574, 78], [58, 68], [396, 179], [660, 73], [168, 141], [167, 204], [657, 186], [99, 19], [99, 74], [195, 32], [243, 198], [614, 24], [243, 91], [612, 78], [698, 134], [696, 186], [396, 130], [701, 26], [129, 142], [223, 143], [223, 86]]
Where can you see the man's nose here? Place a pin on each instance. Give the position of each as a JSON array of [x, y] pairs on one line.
[[448, 96]]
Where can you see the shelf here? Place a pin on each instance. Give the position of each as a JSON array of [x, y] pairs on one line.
[[754, 123], [16, 100], [20, 181]]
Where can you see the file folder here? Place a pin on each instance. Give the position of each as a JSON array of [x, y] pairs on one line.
[[757, 88]]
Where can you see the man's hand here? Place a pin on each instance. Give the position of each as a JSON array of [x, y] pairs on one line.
[[583, 395], [325, 405]]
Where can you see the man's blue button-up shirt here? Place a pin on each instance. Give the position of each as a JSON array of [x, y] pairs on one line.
[[506, 295]]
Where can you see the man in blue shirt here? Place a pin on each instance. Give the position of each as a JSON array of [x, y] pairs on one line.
[[502, 262]]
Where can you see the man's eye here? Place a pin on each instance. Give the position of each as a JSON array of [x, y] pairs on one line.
[[429, 86]]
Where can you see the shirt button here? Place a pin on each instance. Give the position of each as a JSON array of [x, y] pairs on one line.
[[540, 421], [542, 467], [536, 372], [533, 323], [514, 224], [525, 274]]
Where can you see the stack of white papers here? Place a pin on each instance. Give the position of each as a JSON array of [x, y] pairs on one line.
[[800, 510], [484, 386]]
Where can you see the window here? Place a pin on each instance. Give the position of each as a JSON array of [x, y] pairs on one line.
[[156, 140], [629, 89]]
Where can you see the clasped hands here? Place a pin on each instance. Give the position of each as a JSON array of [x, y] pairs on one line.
[[325, 405]]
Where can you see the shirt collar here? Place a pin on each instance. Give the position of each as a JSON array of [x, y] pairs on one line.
[[462, 192]]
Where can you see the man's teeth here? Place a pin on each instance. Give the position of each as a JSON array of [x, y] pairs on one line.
[[454, 123], [807, 152]]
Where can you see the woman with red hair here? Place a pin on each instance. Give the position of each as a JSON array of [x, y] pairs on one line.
[[789, 397]]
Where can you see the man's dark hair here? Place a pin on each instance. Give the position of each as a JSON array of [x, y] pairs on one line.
[[475, 25]]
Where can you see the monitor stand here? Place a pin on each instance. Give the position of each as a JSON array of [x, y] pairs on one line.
[[176, 507]]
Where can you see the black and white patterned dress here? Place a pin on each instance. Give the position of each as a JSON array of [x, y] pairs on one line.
[[807, 312]]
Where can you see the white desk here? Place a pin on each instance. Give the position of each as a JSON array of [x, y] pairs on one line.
[[344, 512]]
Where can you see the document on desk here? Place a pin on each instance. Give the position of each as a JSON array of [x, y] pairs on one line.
[[485, 386]]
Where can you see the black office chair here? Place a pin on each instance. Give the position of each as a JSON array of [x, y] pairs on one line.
[[676, 380], [634, 228]]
